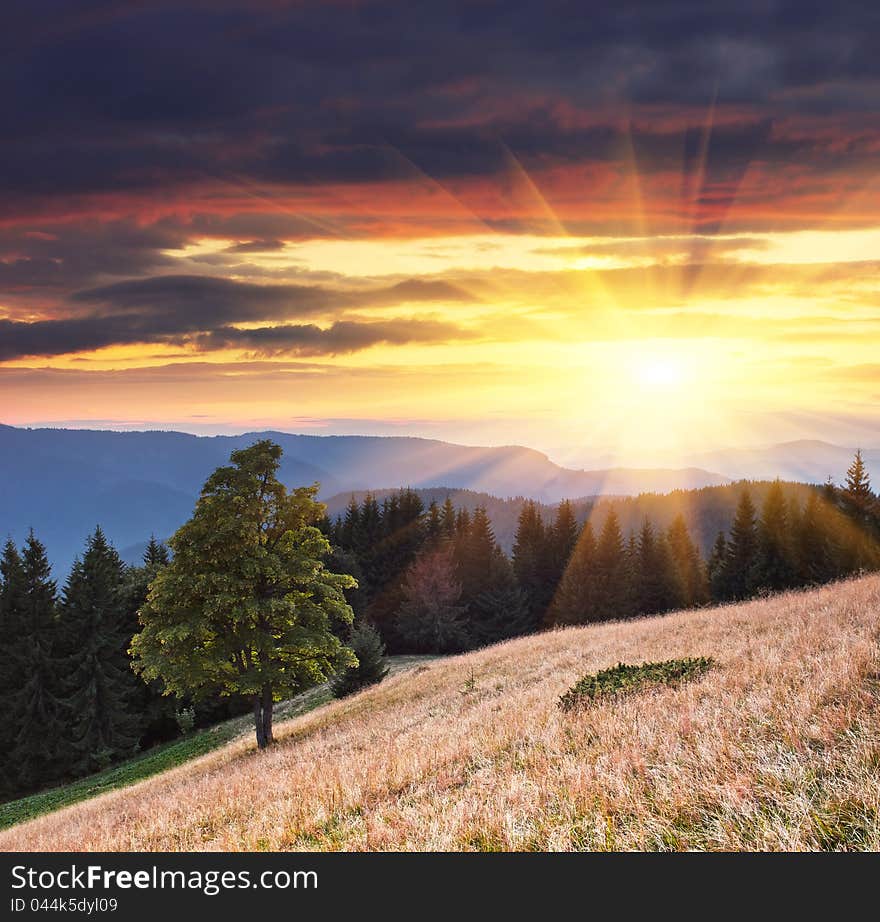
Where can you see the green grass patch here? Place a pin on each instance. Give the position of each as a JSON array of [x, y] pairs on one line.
[[624, 679]]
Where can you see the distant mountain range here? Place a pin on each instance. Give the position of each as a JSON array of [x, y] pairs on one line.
[[807, 460], [65, 481]]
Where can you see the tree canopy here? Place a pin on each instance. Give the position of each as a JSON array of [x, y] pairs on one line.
[[246, 606]]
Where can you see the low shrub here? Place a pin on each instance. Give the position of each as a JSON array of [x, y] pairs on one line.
[[624, 679]]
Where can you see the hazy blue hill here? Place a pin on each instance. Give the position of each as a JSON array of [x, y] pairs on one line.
[[65, 481], [809, 460]]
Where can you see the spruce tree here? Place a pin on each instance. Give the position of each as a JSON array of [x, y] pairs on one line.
[[561, 539], [375, 524], [857, 486], [350, 527], [610, 584], [431, 618], [12, 673], [102, 689], [372, 666], [499, 613], [742, 550], [529, 559], [447, 518], [574, 602], [38, 754], [717, 569], [813, 544], [774, 564], [480, 562], [862, 507], [690, 572], [156, 710], [433, 522], [655, 579]]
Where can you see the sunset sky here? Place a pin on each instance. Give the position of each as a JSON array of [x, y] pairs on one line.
[[619, 232]]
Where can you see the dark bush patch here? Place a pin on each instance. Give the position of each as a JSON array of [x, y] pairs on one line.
[[623, 679]]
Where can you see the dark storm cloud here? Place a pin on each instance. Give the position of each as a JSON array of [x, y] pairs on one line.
[[132, 97], [176, 309], [196, 299], [256, 246], [342, 337]]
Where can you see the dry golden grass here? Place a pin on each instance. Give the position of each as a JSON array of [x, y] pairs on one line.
[[778, 748]]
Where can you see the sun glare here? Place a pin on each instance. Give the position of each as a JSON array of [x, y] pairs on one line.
[[659, 373]]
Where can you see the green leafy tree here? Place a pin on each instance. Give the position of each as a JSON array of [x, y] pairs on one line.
[[372, 666], [102, 692], [246, 604]]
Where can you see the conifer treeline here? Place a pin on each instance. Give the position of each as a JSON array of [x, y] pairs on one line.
[[70, 703], [437, 580]]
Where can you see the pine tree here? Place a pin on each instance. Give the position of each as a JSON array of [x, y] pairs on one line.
[[157, 711], [717, 569], [350, 528], [431, 617], [862, 507], [499, 613], [573, 602], [857, 487], [12, 672], [529, 559], [479, 561], [433, 522], [372, 666], [610, 584], [655, 578], [38, 751], [561, 539], [102, 686], [155, 556], [447, 518], [690, 572], [813, 543], [375, 523], [774, 565], [742, 550]]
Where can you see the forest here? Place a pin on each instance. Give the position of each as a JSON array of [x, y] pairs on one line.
[[425, 580]]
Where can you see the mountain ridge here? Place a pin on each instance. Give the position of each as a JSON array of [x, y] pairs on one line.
[[62, 482]]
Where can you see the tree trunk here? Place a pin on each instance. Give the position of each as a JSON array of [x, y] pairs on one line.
[[267, 715], [258, 722]]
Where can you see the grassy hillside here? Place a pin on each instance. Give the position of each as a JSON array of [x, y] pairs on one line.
[[168, 755], [776, 747]]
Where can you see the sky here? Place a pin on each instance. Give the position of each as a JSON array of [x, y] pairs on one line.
[[619, 233]]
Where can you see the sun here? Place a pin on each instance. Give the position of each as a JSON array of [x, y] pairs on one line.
[[659, 373]]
